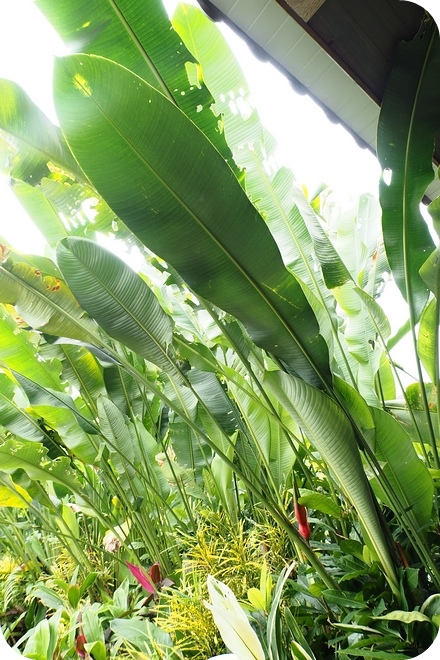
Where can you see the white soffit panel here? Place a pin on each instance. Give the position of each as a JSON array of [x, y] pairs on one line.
[[271, 28], [287, 43]]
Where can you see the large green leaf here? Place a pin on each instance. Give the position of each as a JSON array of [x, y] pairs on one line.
[[114, 428], [265, 443], [298, 233], [133, 452], [67, 432], [123, 390], [408, 124], [427, 339], [118, 299], [12, 415], [44, 301], [19, 351], [32, 458], [81, 370], [191, 451], [408, 476], [330, 432], [364, 325], [42, 396], [176, 193], [43, 410], [23, 120], [214, 398], [139, 35]]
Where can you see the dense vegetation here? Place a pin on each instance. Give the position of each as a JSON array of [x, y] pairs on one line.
[[213, 400]]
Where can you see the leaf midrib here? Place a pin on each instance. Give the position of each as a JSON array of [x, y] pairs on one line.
[[220, 246]]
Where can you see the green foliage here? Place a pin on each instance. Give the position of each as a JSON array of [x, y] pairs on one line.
[[165, 410]]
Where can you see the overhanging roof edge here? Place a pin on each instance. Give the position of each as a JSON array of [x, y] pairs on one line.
[[216, 14]]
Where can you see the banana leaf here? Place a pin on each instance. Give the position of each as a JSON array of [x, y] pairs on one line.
[[32, 458], [38, 140], [44, 302], [118, 299], [41, 396], [18, 350], [427, 340], [13, 417], [165, 180], [139, 35], [408, 123], [299, 236], [330, 432], [404, 470]]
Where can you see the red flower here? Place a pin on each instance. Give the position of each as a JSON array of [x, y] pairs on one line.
[[142, 577], [301, 516], [80, 646]]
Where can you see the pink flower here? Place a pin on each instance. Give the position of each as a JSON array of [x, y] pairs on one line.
[[142, 577]]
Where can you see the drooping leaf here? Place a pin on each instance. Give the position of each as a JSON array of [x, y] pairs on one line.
[[118, 299], [147, 143], [330, 432], [319, 502], [404, 470], [24, 121], [334, 271], [19, 351], [11, 494], [32, 458], [42, 396], [44, 302], [12, 416], [426, 340], [408, 124]]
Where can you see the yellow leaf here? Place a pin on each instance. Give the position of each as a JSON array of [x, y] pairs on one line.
[[256, 598], [13, 495]]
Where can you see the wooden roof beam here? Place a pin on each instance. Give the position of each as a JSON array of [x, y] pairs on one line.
[[305, 9]]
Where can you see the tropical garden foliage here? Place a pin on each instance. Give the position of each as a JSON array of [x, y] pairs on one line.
[[205, 444]]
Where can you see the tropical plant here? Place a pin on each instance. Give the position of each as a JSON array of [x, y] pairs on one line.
[[243, 364]]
